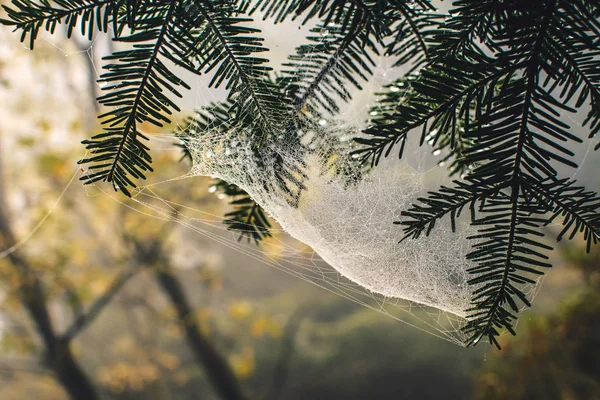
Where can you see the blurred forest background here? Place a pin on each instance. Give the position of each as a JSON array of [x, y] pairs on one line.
[[104, 298]]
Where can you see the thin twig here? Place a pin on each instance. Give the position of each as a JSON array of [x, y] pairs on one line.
[[282, 366], [95, 309]]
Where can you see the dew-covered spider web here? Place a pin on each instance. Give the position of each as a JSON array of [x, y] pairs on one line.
[[342, 212], [365, 273], [346, 222]]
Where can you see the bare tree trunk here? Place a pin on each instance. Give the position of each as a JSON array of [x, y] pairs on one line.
[[151, 254], [219, 373], [32, 294]]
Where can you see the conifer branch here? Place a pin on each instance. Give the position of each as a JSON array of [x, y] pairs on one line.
[[30, 17], [430, 103], [248, 83], [123, 153]]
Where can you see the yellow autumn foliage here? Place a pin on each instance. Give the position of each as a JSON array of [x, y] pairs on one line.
[[243, 363], [126, 376], [240, 309], [265, 325], [168, 360]]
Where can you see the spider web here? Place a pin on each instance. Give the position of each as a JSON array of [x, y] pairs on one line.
[[345, 217], [298, 261]]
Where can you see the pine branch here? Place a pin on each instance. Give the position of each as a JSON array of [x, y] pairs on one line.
[[580, 67], [246, 75], [30, 17], [137, 97], [319, 70], [413, 25], [447, 201], [516, 138], [330, 12], [443, 93], [489, 312], [500, 271], [247, 218], [467, 32], [336, 55], [345, 44], [200, 36], [453, 50], [578, 208]]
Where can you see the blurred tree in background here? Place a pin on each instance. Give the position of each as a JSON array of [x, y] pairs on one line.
[[61, 281]]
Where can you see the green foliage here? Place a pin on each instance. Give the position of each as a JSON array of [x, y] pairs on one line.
[[501, 76], [488, 87], [31, 17], [247, 217]]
